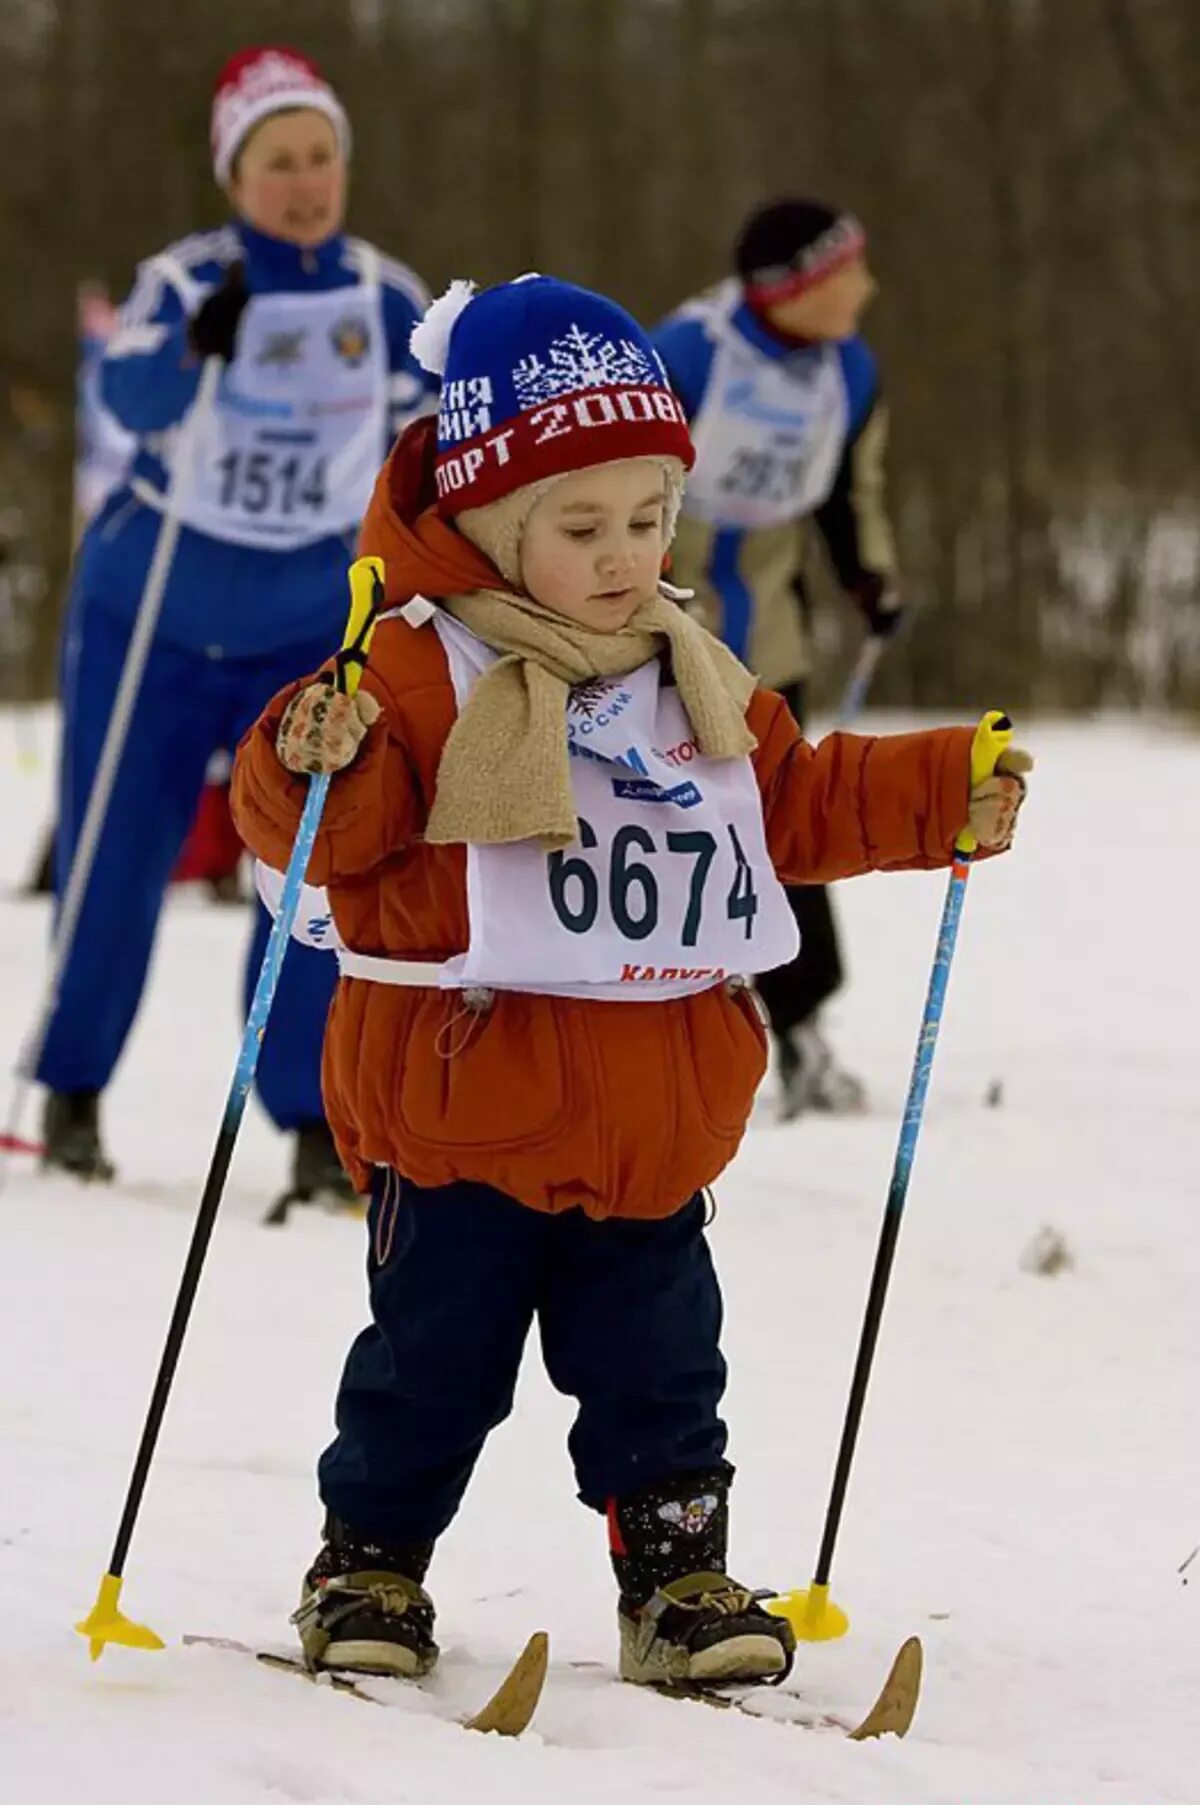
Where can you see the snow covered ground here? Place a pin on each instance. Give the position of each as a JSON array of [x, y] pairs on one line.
[[1028, 1482]]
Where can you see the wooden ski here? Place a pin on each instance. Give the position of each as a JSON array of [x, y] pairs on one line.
[[507, 1713]]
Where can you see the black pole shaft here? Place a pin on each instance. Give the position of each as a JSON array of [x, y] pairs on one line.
[[243, 1078], [214, 1187], [872, 1318]]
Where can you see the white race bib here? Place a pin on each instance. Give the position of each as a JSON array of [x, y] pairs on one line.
[[314, 924], [669, 888], [668, 891], [769, 434], [291, 450]]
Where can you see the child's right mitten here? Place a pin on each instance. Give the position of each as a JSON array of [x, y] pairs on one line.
[[322, 729]]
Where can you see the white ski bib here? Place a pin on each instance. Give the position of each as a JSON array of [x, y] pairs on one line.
[[769, 435], [669, 889], [314, 924], [291, 450]]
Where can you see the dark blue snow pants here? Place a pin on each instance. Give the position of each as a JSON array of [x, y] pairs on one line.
[[630, 1318], [189, 706]]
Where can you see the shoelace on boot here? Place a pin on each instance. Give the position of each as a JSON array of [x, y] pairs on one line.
[[727, 1601], [731, 1601], [336, 1600]]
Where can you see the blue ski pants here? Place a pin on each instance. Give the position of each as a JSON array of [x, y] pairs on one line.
[[189, 706], [629, 1314]]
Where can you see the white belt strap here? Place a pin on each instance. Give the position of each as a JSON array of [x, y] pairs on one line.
[[415, 973]]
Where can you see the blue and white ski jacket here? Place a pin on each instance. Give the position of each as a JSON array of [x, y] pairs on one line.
[[321, 382], [782, 433]]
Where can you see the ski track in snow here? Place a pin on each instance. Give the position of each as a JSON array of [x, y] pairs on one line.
[[1028, 1477]]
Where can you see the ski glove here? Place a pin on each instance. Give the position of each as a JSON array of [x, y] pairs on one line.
[[322, 729], [212, 329], [994, 803], [881, 605]]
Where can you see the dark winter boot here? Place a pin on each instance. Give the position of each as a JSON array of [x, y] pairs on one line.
[[71, 1136], [317, 1175], [683, 1621], [363, 1608], [810, 1078]]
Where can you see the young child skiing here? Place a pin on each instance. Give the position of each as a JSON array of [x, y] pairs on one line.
[[553, 853], [784, 403]]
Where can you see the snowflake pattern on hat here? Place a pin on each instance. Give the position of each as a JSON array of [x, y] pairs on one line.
[[581, 360]]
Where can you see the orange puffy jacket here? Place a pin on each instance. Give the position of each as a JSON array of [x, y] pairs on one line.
[[625, 1109]]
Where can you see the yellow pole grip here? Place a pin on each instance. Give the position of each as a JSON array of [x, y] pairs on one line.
[[366, 593], [992, 736]]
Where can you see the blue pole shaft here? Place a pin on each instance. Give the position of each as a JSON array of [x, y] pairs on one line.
[[214, 1186], [914, 1111], [281, 928], [931, 1022]]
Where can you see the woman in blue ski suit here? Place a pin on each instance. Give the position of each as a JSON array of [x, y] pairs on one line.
[[312, 328]]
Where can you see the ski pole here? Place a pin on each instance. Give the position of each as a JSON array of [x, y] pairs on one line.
[[106, 1622], [859, 681], [115, 734], [811, 1613]]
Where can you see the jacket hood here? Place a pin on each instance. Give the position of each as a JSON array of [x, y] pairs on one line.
[[422, 553]]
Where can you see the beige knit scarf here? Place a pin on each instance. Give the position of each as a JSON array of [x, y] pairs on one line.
[[505, 772]]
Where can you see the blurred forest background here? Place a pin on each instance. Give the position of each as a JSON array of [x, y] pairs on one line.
[[1027, 170]]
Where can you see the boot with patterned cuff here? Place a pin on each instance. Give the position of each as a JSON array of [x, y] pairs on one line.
[[683, 1620]]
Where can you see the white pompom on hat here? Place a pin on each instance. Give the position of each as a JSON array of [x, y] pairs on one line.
[[430, 338], [266, 79]]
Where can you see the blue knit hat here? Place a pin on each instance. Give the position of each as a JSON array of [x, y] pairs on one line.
[[540, 378]]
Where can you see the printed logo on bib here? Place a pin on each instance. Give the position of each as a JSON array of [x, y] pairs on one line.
[[630, 757], [682, 754], [641, 789], [792, 412], [283, 350], [739, 398], [673, 974], [252, 407], [594, 706], [351, 339]]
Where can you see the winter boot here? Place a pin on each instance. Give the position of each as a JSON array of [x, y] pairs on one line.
[[317, 1175], [363, 1608], [683, 1621], [71, 1136], [811, 1079]]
